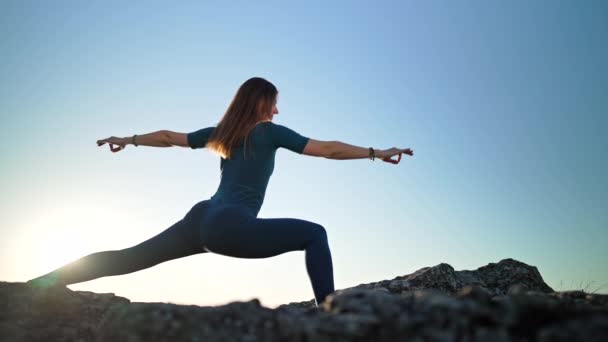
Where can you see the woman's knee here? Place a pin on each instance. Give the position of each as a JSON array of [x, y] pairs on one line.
[[320, 231]]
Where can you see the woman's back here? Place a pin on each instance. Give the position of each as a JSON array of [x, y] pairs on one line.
[[245, 175]]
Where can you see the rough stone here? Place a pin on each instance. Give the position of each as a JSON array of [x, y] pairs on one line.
[[504, 301]]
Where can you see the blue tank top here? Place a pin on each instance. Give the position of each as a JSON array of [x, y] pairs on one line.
[[245, 176]]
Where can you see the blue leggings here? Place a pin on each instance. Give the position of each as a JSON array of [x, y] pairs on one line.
[[211, 226]]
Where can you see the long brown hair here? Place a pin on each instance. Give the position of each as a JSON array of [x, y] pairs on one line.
[[251, 104]]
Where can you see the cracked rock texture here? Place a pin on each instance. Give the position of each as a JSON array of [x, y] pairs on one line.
[[504, 301]]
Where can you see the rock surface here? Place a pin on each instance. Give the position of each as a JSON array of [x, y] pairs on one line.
[[504, 301]]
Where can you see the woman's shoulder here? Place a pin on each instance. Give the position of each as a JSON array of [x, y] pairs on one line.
[[266, 123]]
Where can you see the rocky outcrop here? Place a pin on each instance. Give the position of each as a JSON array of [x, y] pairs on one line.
[[504, 301]]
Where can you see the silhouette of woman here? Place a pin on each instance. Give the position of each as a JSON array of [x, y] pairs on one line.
[[227, 223]]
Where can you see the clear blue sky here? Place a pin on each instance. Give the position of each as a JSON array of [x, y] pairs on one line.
[[504, 104]]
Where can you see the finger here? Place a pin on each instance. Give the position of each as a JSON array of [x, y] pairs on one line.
[[398, 159]]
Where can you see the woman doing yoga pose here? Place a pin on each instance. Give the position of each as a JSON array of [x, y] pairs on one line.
[[227, 223]]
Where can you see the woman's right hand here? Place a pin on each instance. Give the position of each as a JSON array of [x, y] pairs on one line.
[[385, 155]]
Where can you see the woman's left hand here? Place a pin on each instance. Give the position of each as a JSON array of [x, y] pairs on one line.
[[120, 142]]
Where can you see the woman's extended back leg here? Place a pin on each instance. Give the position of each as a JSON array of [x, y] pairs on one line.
[[177, 241]]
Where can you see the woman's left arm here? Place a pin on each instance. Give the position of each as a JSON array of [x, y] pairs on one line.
[[155, 139]]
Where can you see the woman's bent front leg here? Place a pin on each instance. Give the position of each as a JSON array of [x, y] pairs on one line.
[[267, 237]]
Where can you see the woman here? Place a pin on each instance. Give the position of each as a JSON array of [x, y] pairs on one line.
[[227, 223]]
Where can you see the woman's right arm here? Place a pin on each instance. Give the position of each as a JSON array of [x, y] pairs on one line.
[[340, 151], [283, 136]]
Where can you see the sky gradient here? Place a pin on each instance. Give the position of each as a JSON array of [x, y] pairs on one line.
[[504, 104]]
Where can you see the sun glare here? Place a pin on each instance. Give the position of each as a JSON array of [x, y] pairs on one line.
[[63, 232]]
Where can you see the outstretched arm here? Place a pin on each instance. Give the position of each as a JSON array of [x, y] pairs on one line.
[[155, 139], [339, 150], [283, 136], [194, 140], [336, 150]]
